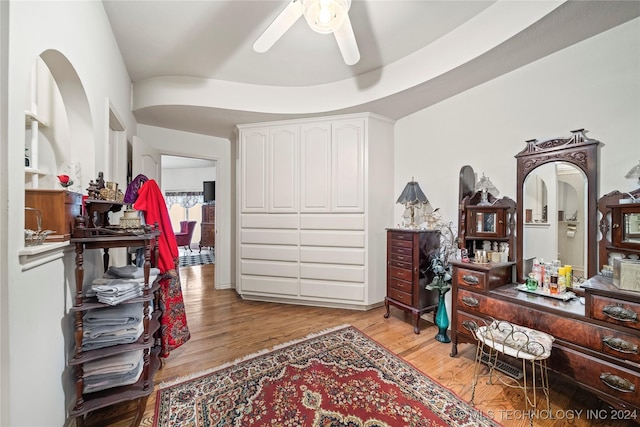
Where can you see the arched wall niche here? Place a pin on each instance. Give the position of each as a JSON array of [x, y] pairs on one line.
[[80, 147]]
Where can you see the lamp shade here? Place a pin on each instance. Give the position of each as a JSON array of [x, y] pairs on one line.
[[484, 184], [634, 173], [486, 187], [412, 194]]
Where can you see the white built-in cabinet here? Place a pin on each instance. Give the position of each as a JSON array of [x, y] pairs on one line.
[[315, 198]]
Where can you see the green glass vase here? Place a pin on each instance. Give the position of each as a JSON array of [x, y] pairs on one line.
[[442, 320]]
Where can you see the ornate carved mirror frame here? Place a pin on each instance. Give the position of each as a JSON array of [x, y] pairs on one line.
[[578, 150]]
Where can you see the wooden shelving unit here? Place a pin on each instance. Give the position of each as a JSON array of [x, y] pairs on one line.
[[105, 238]]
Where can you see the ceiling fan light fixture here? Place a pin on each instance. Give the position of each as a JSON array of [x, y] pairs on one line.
[[325, 16]]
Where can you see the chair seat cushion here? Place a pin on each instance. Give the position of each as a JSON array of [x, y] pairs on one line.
[[516, 341]]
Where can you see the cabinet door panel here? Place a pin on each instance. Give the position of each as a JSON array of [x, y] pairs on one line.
[[269, 221], [269, 285], [269, 268], [315, 164], [342, 273], [332, 290], [283, 169], [269, 253], [344, 239], [269, 237], [332, 222], [347, 166], [332, 255], [253, 155]]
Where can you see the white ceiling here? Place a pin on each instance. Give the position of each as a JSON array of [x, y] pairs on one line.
[[406, 61]]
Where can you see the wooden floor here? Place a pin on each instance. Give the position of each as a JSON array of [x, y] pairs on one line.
[[224, 328]]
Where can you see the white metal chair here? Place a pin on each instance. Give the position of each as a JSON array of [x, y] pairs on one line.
[[529, 346]]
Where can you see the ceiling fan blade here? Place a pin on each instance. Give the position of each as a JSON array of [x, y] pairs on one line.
[[279, 26], [347, 42]]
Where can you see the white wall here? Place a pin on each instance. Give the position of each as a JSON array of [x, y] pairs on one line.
[[180, 179], [593, 85], [4, 143], [178, 143], [76, 39]]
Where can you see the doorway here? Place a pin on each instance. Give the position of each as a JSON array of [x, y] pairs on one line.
[[182, 184]]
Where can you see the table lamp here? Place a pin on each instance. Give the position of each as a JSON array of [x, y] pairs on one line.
[[486, 186], [412, 197], [634, 173]]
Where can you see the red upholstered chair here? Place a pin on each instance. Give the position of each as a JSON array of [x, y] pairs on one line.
[[183, 237]]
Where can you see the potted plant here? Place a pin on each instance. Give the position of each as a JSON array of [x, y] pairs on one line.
[[441, 268]]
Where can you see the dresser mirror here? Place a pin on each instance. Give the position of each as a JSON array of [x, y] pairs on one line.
[[556, 203]]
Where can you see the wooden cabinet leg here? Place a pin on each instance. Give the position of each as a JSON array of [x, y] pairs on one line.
[[142, 404], [454, 348]]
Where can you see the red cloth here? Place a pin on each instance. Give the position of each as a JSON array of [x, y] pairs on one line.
[[174, 328], [173, 323], [152, 203]]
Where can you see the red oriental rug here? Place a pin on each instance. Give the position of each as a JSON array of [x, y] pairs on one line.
[[338, 378]]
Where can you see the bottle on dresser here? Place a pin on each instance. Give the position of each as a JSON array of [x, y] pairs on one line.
[[548, 272], [568, 275], [536, 270], [562, 280]]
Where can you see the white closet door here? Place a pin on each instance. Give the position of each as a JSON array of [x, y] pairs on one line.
[[347, 166], [253, 155], [283, 169], [315, 165]]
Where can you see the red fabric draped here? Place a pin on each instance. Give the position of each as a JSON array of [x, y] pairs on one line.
[[152, 203], [174, 329]]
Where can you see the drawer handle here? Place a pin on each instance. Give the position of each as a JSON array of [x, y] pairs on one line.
[[620, 313], [470, 301], [617, 383], [470, 279], [618, 344], [470, 325]]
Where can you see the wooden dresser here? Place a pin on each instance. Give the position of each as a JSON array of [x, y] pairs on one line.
[[208, 227], [408, 259], [597, 343]]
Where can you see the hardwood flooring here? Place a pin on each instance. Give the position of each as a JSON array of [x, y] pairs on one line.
[[224, 328]]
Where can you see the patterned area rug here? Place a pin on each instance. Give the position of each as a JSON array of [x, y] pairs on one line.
[[338, 378], [196, 259]]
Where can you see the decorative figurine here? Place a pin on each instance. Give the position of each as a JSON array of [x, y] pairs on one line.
[[100, 181], [92, 190]]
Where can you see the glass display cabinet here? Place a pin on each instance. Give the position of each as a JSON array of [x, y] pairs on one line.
[[494, 223], [619, 226]]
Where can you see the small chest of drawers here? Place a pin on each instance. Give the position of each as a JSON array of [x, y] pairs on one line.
[[409, 255], [469, 301]]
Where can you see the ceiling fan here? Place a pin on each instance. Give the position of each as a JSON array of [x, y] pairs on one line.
[[323, 16]]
